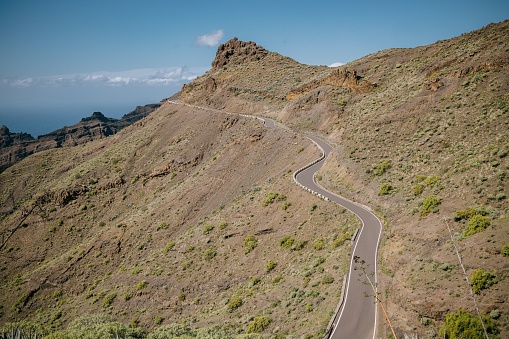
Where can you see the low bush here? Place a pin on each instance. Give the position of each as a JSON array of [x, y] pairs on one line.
[[209, 254], [385, 189], [319, 244], [250, 242], [381, 168], [430, 204], [477, 223], [286, 242], [273, 197], [481, 280], [327, 279], [169, 246], [270, 265], [234, 303], [141, 285], [418, 189], [259, 324], [208, 228], [505, 250], [462, 324]]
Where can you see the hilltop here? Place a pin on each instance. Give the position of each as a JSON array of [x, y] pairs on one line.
[[190, 216]]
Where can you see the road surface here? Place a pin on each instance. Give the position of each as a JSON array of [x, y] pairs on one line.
[[357, 315]]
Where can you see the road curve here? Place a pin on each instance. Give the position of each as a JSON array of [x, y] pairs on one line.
[[357, 315], [358, 312]]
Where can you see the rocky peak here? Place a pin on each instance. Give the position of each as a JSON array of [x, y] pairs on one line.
[[96, 116], [4, 130], [236, 52]]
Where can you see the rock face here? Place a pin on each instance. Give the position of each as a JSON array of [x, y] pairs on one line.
[[15, 147], [236, 52]]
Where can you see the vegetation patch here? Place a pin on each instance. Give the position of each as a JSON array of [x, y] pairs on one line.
[[234, 303], [286, 242], [250, 243], [381, 168], [505, 250], [385, 189], [462, 324], [259, 324], [273, 197], [270, 265], [481, 280], [430, 204], [476, 224]]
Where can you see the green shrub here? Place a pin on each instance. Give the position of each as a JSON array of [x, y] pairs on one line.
[[327, 279], [418, 189], [477, 223], [505, 250], [430, 204], [313, 207], [171, 331], [381, 168], [277, 279], [481, 280], [319, 244], [495, 314], [299, 245], [209, 253], [141, 285], [97, 326], [259, 324], [385, 189], [340, 240], [254, 281], [469, 213], [222, 225], [270, 265], [250, 242], [286, 242], [465, 325], [285, 206], [234, 303], [109, 299], [208, 228], [162, 226], [273, 197], [432, 180], [21, 330], [169, 246]]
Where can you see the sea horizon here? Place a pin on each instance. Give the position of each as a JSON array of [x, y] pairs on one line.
[[43, 120]]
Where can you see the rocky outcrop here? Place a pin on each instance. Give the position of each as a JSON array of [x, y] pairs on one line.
[[341, 77], [15, 147], [236, 52]]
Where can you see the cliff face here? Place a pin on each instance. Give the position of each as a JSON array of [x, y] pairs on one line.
[[15, 147]]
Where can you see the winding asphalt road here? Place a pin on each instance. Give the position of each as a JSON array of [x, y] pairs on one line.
[[357, 315]]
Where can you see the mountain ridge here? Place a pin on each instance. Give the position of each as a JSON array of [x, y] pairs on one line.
[[16, 146]]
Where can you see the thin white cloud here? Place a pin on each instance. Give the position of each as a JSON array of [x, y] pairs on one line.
[[146, 76], [336, 64], [210, 40]]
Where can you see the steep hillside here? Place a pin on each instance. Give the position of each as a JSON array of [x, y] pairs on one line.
[[190, 216]]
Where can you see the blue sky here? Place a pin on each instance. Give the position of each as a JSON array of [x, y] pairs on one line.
[[62, 60]]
